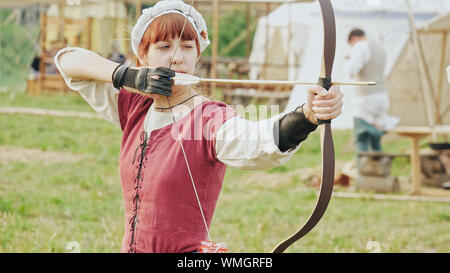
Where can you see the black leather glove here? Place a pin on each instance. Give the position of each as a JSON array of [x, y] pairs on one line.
[[143, 79], [292, 129]]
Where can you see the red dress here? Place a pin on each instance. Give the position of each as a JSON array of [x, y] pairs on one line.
[[161, 210]]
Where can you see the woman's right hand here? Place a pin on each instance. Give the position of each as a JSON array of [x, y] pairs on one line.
[[148, 80]]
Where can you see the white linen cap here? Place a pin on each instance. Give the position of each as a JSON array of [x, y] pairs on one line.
[[164, 7]]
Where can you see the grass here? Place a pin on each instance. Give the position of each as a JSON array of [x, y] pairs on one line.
[[67, 101], [46, 205]]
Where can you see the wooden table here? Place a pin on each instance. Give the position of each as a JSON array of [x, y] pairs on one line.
[[415, 133]]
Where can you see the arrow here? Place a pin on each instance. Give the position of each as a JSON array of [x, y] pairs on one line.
[[187, 79]]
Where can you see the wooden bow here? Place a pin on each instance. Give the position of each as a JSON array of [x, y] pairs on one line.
[[326, 185]]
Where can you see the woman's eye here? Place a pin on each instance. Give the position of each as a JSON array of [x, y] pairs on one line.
[[188, 46], [164, 46]]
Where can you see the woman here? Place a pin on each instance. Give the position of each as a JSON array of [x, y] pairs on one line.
[[176, 143]]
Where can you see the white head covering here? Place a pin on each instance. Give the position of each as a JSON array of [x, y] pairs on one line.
[[164, 7]]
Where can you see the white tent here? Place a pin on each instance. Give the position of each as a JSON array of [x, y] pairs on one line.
[[295, 37], [404, 80]]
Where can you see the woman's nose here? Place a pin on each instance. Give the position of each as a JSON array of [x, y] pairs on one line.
[[177, 56]]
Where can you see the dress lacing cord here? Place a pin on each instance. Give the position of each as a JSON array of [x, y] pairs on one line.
[[137, 181]]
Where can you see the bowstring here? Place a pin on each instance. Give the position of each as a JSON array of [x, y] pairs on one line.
[[178, 133]]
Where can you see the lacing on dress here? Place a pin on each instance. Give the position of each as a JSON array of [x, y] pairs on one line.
[[134, 220]]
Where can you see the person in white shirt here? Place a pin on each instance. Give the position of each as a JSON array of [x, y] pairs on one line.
[[366, 62]]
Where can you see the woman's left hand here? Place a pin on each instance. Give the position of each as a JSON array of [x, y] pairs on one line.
[[322, 104]]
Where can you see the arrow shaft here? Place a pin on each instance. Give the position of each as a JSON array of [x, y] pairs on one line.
[[266, 82]]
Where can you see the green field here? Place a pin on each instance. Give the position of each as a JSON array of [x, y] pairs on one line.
[[59, 183]]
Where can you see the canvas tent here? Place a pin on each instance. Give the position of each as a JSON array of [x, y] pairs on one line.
[[293, 35], [404, 80]]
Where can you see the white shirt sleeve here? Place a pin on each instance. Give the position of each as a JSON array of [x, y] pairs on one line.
[[244, 144], [359, 56], [101, 96]]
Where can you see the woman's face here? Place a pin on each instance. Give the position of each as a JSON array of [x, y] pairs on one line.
[[181, 58]]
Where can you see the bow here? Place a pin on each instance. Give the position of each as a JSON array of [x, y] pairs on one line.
[[326, 185]]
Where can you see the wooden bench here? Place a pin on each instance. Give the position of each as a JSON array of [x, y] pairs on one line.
[[47, 82]]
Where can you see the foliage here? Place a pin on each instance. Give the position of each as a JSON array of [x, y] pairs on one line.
[[16, 51], [230, 25]]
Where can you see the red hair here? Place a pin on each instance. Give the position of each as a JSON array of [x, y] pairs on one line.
[[165, 27]]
